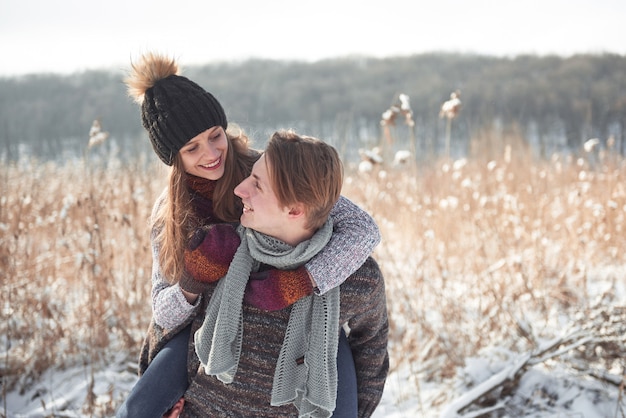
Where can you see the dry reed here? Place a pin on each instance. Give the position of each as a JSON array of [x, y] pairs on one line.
[[476, 253], [497, 250], [75, 261]]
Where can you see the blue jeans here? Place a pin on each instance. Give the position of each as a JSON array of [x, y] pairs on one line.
[[165, 381], [347, 402]]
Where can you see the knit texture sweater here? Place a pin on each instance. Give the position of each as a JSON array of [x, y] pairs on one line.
[[363, 309]]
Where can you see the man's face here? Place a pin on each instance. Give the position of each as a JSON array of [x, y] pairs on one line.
[[261, 209]]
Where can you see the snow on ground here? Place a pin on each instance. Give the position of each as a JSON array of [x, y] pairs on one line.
[[554, 394], [62, 393], [546, 388]]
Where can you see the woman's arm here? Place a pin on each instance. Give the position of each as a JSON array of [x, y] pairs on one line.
[[355, 235], [171, 306]]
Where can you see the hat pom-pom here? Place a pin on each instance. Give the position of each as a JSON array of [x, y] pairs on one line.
[[150, 68]]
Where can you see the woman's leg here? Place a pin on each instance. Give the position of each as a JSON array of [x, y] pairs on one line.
[[347, 403], [163, 383]]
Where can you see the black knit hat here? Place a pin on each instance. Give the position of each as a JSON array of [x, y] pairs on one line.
[[174, 111]]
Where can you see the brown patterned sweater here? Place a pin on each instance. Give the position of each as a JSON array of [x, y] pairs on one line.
[[363, 308]]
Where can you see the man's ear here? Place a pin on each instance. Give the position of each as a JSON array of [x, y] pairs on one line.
[[296, 211]]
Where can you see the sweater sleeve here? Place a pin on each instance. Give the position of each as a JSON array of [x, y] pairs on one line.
[[169, 305], [368, 333], [355, 235]]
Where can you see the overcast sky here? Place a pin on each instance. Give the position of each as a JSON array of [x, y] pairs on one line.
[[65, 36]]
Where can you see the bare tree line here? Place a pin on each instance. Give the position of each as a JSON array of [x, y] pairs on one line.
[[556, 103]]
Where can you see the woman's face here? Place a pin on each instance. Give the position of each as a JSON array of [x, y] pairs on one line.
[[205, 154]]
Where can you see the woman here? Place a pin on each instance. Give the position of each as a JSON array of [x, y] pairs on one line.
[[187, 127]]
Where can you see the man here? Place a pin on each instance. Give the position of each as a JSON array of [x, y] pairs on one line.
[[264, 362]]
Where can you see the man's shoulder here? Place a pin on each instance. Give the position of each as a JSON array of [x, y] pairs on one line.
[[370, 267], [369, 274]]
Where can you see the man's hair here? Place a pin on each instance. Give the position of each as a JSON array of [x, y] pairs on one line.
[[305, 170]]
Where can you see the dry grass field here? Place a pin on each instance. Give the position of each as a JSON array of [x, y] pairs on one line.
[[499, 249]]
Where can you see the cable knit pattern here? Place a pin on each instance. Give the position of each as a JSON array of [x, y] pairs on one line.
[[363, 308]]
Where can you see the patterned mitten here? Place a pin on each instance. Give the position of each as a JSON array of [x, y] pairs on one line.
[[208, 255], [274, 289]]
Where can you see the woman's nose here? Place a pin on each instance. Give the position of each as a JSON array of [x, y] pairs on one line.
[[210, 149]]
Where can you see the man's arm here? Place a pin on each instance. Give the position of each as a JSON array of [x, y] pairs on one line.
[[364, 306]]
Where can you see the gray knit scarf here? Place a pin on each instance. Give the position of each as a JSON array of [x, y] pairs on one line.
[[312, 331]]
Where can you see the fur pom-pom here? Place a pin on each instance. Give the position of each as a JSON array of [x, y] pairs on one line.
[[150, 68]]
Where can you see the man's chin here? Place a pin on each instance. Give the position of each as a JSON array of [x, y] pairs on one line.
[[243, 220]]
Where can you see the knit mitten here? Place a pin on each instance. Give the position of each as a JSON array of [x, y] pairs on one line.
[[208, 255], [274, 289]]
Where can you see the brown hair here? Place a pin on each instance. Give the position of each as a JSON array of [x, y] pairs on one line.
[[175, 219], [305, 170]]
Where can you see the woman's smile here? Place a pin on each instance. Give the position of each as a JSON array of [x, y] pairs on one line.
[[213, 165]]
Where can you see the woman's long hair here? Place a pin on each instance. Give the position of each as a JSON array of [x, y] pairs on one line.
[[175, 219]]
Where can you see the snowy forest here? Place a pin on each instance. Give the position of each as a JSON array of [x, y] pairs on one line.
[[555, 103]]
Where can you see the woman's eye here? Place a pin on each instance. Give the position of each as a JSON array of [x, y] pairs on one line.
[[192, 149]]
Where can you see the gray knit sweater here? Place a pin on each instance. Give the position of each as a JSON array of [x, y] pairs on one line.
[[363, 308]]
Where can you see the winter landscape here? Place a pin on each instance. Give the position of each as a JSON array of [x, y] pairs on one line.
[[504, 274]]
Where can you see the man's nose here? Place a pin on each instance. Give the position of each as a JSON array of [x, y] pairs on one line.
[[239, 190]]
